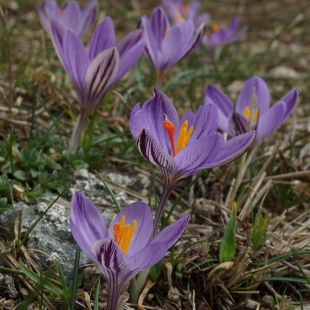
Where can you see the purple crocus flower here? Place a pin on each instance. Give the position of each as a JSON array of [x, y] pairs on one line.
[[166, 45], [94, 71], [224, 35], [180, 148], [124, 249], [178, 12], [265, 119], [70, 16]]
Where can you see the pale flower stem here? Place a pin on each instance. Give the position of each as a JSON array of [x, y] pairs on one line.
[[158, 80], [137, 284], [78, 129]]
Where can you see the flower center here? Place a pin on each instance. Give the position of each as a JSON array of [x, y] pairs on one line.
[[185, 9], [183, 138], [215, 27], [247, 113], [123, 233]]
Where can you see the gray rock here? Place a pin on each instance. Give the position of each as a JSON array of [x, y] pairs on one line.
[[9, 285]]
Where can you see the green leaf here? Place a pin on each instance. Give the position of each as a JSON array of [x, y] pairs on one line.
[[228, 246], [21, 175], [37, 279], [259, 229]]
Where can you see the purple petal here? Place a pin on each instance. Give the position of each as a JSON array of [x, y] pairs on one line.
[[153, 152], [87, 224], [112, 260], [136, 123], [270, 120], [223, 104], [71, 17], [99, 76], [172, 233], [89, 15], [202, 19], [193, 9], [146, 258], [44, 19], [102, 39], [245, 98], [130, 49], [197, 154], [233, 149], [154, 112], [76, 60], [195, 42], [141, 213], [159, 24], [150, 47], [171, 49], [237, 124], [57, 34], [204, 121], [290, 100]]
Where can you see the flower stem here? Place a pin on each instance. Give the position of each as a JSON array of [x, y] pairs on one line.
[[168, 185], [78, 128]]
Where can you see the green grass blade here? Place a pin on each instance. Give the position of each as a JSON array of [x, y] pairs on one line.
[[75, 277], [106, 185], [96, 303], [228, 246]]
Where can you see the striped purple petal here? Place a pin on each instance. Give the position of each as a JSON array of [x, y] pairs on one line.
[[99, 76], [153, 152], [237, 124]]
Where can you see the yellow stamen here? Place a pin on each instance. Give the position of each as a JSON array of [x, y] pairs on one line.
[[166, 31], [247, 113], [123, 233], [184, 136], [215, 27]]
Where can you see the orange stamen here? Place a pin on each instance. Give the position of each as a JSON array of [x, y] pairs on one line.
[[61, 12], [123, 233], [170, 130], [184, 136], [247, 113], [184, 9]]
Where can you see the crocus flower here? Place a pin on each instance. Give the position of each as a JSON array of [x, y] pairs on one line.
[[124, 249], [166, 45], [180, 148], [70, 16], [225, 35], [94, 71], [178, 12], [265, 119]]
